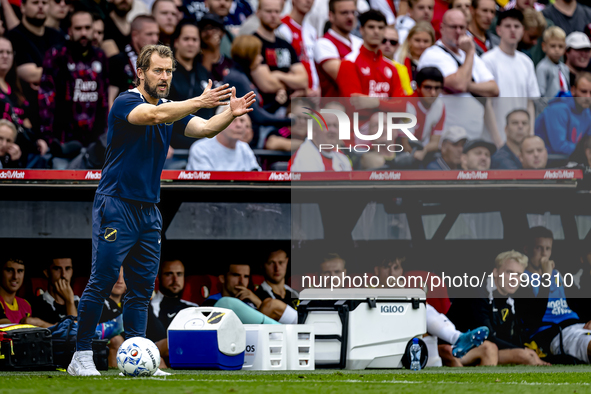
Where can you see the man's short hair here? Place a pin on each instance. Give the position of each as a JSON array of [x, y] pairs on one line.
[[554, 33], [332, 256], [227, 266], [538, 232], [331, 4], [580, 76], [179, 29], [372, 15], [145, 57], [160, 1], [529, 137], [516, 111], [80, 10], [510, 14], [168, 260], [428, 74], [475, 4], [11, 126], [138, 22], [392, 27], [533, 19], [511, 255], [10, 259]]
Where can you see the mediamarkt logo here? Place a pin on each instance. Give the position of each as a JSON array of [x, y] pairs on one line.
[[93, 175], [12, 174], [563, 174], [472, 175], [194, 175], [384, 176], [345, 130], [284, 176]]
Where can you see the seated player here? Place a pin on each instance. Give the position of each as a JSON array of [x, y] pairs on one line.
[[275, 269], [581, 289], [59, 300], [557, 329], [495, 308], [165, 305], [333, 265], [14, 309], [467, 348], [249, 308]]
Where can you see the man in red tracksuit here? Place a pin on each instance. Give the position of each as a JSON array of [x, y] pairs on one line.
[[365, 71], [368, 77]]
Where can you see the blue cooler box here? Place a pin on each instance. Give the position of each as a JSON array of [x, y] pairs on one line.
[[206, 338]]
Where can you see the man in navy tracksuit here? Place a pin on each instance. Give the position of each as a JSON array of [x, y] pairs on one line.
[[126, 228]]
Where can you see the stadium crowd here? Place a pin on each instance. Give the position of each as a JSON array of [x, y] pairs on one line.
[[525, 323], [488, 81]]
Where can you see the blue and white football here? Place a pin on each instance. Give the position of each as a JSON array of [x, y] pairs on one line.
[[138, 357]]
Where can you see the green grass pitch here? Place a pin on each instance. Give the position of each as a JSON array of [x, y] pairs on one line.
[[502, 380]]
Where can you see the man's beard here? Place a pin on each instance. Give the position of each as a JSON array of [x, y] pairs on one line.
[[153, 92], [121, 12], [169, 293], [35, 21], [82, 47]]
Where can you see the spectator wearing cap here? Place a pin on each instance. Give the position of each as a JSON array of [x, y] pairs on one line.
[[482, 14], [517, 129], [516, 88], [477, 154], [569, 15], [452, 143], [534, 154], [215, 47], [578, 53], [565, 121], [217, 16], [465, 74], [429, 110]]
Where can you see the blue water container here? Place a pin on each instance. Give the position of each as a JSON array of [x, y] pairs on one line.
[[206, 338]]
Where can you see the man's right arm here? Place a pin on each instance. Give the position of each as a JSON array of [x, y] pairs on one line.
[[150, 115], [459, 81]]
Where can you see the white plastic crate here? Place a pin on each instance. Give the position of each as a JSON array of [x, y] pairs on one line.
[[266, 347], [300, 347]]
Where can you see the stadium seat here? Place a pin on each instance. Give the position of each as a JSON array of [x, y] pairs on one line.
[[216, 285], [79, 285], [38, 284], [257, 280], [197, 288]]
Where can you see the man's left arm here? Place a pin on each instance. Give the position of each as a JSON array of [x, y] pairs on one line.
[[296, 78], [197, 127]]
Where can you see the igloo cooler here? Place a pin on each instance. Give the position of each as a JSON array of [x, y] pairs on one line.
[[206, 338], [363, 328]]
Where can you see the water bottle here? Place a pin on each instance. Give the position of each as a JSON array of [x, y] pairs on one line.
[[415, 355]]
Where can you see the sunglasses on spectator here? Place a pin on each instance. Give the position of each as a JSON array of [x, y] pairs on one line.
[[392, 42], [67, 2]]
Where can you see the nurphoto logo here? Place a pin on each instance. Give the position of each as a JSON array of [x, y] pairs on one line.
[[393, 122]]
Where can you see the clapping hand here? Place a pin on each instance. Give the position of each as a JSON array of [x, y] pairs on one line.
[[211, 98], [240, 105]]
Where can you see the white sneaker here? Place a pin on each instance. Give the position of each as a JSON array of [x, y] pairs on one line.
[[160, 372], [83, 365]]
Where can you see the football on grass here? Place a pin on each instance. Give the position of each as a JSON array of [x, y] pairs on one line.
[[138, 357]]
